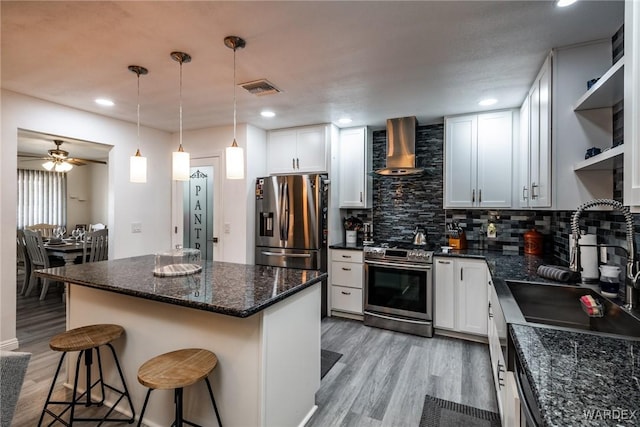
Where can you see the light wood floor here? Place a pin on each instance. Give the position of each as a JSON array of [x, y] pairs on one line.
[[383, 376], [381, 379]]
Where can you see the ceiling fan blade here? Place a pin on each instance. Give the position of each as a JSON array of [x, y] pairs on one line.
[[82, 162], [33, 156]]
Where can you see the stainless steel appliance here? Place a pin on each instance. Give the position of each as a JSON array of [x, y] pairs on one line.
[[291, 221], [399, 289]]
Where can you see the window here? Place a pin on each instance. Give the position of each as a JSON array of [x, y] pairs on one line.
[[42, 198]]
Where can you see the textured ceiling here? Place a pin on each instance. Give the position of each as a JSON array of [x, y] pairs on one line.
[[366, 60]]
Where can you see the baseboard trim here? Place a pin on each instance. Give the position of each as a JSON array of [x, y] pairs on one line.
[[461, 335], [306, 419], [11, 344]]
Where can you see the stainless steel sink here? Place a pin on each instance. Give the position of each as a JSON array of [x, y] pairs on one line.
[[559, 305]]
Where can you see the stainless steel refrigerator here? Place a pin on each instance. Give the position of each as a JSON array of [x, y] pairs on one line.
[[291, 221]]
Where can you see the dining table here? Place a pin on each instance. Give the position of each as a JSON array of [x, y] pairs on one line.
[[68, 250]]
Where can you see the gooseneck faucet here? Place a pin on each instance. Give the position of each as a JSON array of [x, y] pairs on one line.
[[632, 276]]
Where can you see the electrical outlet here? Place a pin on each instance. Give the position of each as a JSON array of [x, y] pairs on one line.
[[227, 228], [136, 227]]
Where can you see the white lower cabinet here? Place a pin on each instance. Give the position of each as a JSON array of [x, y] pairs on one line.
[[460, 295], [506, 388], [346, 278]]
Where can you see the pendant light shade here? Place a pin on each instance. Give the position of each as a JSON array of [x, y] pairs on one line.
[[234, 155], [181, 160], [137, 163]]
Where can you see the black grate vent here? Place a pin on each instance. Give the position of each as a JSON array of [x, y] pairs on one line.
[[260, 87]]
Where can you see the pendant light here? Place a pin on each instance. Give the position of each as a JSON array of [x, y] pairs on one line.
[[180, 157], [137, 163], [234, 155]]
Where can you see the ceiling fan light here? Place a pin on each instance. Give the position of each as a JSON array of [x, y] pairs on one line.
[[62, 167], [138, 168], [234, 156], [48, 165]]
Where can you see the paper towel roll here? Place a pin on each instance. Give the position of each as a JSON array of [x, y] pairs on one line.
[[589, 258]]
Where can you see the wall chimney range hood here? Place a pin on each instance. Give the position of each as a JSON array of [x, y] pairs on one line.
[[401, 147]]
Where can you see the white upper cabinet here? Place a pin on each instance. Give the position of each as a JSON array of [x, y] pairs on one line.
[[298, 150], [478, 160], [632, 105], [355, 157], [535, 142]]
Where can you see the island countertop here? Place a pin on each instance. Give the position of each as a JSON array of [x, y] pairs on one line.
[[237, 290]]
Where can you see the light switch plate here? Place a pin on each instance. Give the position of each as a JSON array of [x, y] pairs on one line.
[[136, 227], [227, 228]]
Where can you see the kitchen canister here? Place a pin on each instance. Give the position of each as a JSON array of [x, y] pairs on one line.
[[609, 280], [533, 242]]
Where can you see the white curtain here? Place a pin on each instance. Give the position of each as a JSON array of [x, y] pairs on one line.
[[42, 198]]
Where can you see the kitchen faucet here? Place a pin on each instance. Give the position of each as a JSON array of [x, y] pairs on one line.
[[631, 279]]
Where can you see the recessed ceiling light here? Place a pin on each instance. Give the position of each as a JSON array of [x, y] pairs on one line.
[[268, 114], [487, 102], [344, 121], [565, 3], [105, 102]]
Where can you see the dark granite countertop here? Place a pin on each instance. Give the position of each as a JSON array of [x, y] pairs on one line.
[[571, 372], [237, 290], [581, 379]]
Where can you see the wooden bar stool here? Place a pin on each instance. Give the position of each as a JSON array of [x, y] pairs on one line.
[[176, 370], [85, 339]]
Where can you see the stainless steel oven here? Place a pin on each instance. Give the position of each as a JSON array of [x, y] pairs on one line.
[[399, 289]]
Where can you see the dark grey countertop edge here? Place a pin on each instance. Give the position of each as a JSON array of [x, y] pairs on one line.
[[48, 274], [357, 247]]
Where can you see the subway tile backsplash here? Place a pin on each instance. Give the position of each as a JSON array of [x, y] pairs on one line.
[[402, 203]]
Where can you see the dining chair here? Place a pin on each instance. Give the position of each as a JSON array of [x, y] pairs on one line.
[[96, 246], [97, 226], [23, 261], [39, 259], [45, 229]]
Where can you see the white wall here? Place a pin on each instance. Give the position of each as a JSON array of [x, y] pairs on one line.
[[237, 200], [78, 196], [148, 203], [98, 197]]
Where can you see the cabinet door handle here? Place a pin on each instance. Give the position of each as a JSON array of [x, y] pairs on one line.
[[461, 269], [444, 262], [293, 163], [346, 256], [525, 190], [480, 196], [361, 197], [297, 163], [345, 293], [473, 196], [346, 269], [490, 313], [533, 193]]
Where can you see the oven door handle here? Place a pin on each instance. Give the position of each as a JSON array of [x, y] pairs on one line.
[[402, 266], [524, 405], [398, 319]]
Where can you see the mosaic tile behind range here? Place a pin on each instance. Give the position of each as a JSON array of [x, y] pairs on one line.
[[402, 203]]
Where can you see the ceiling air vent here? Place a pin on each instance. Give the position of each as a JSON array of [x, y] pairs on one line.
[[260, 87]]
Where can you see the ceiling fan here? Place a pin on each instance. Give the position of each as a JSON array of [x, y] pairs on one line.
[[58, 160]]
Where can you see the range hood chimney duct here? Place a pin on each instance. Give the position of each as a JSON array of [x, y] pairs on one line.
[[401, 147]]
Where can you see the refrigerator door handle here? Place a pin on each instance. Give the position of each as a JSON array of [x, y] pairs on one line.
[[281, 213], [286, 210], [267, 253]]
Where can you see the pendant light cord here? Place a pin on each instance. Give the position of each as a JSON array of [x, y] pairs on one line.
[[138, 73], [234, 95], [180, 148]]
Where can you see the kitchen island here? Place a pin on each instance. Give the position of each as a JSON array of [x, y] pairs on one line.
[[262, 322]]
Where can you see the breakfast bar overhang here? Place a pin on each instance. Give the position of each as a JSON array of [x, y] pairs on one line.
[[262, 322]]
